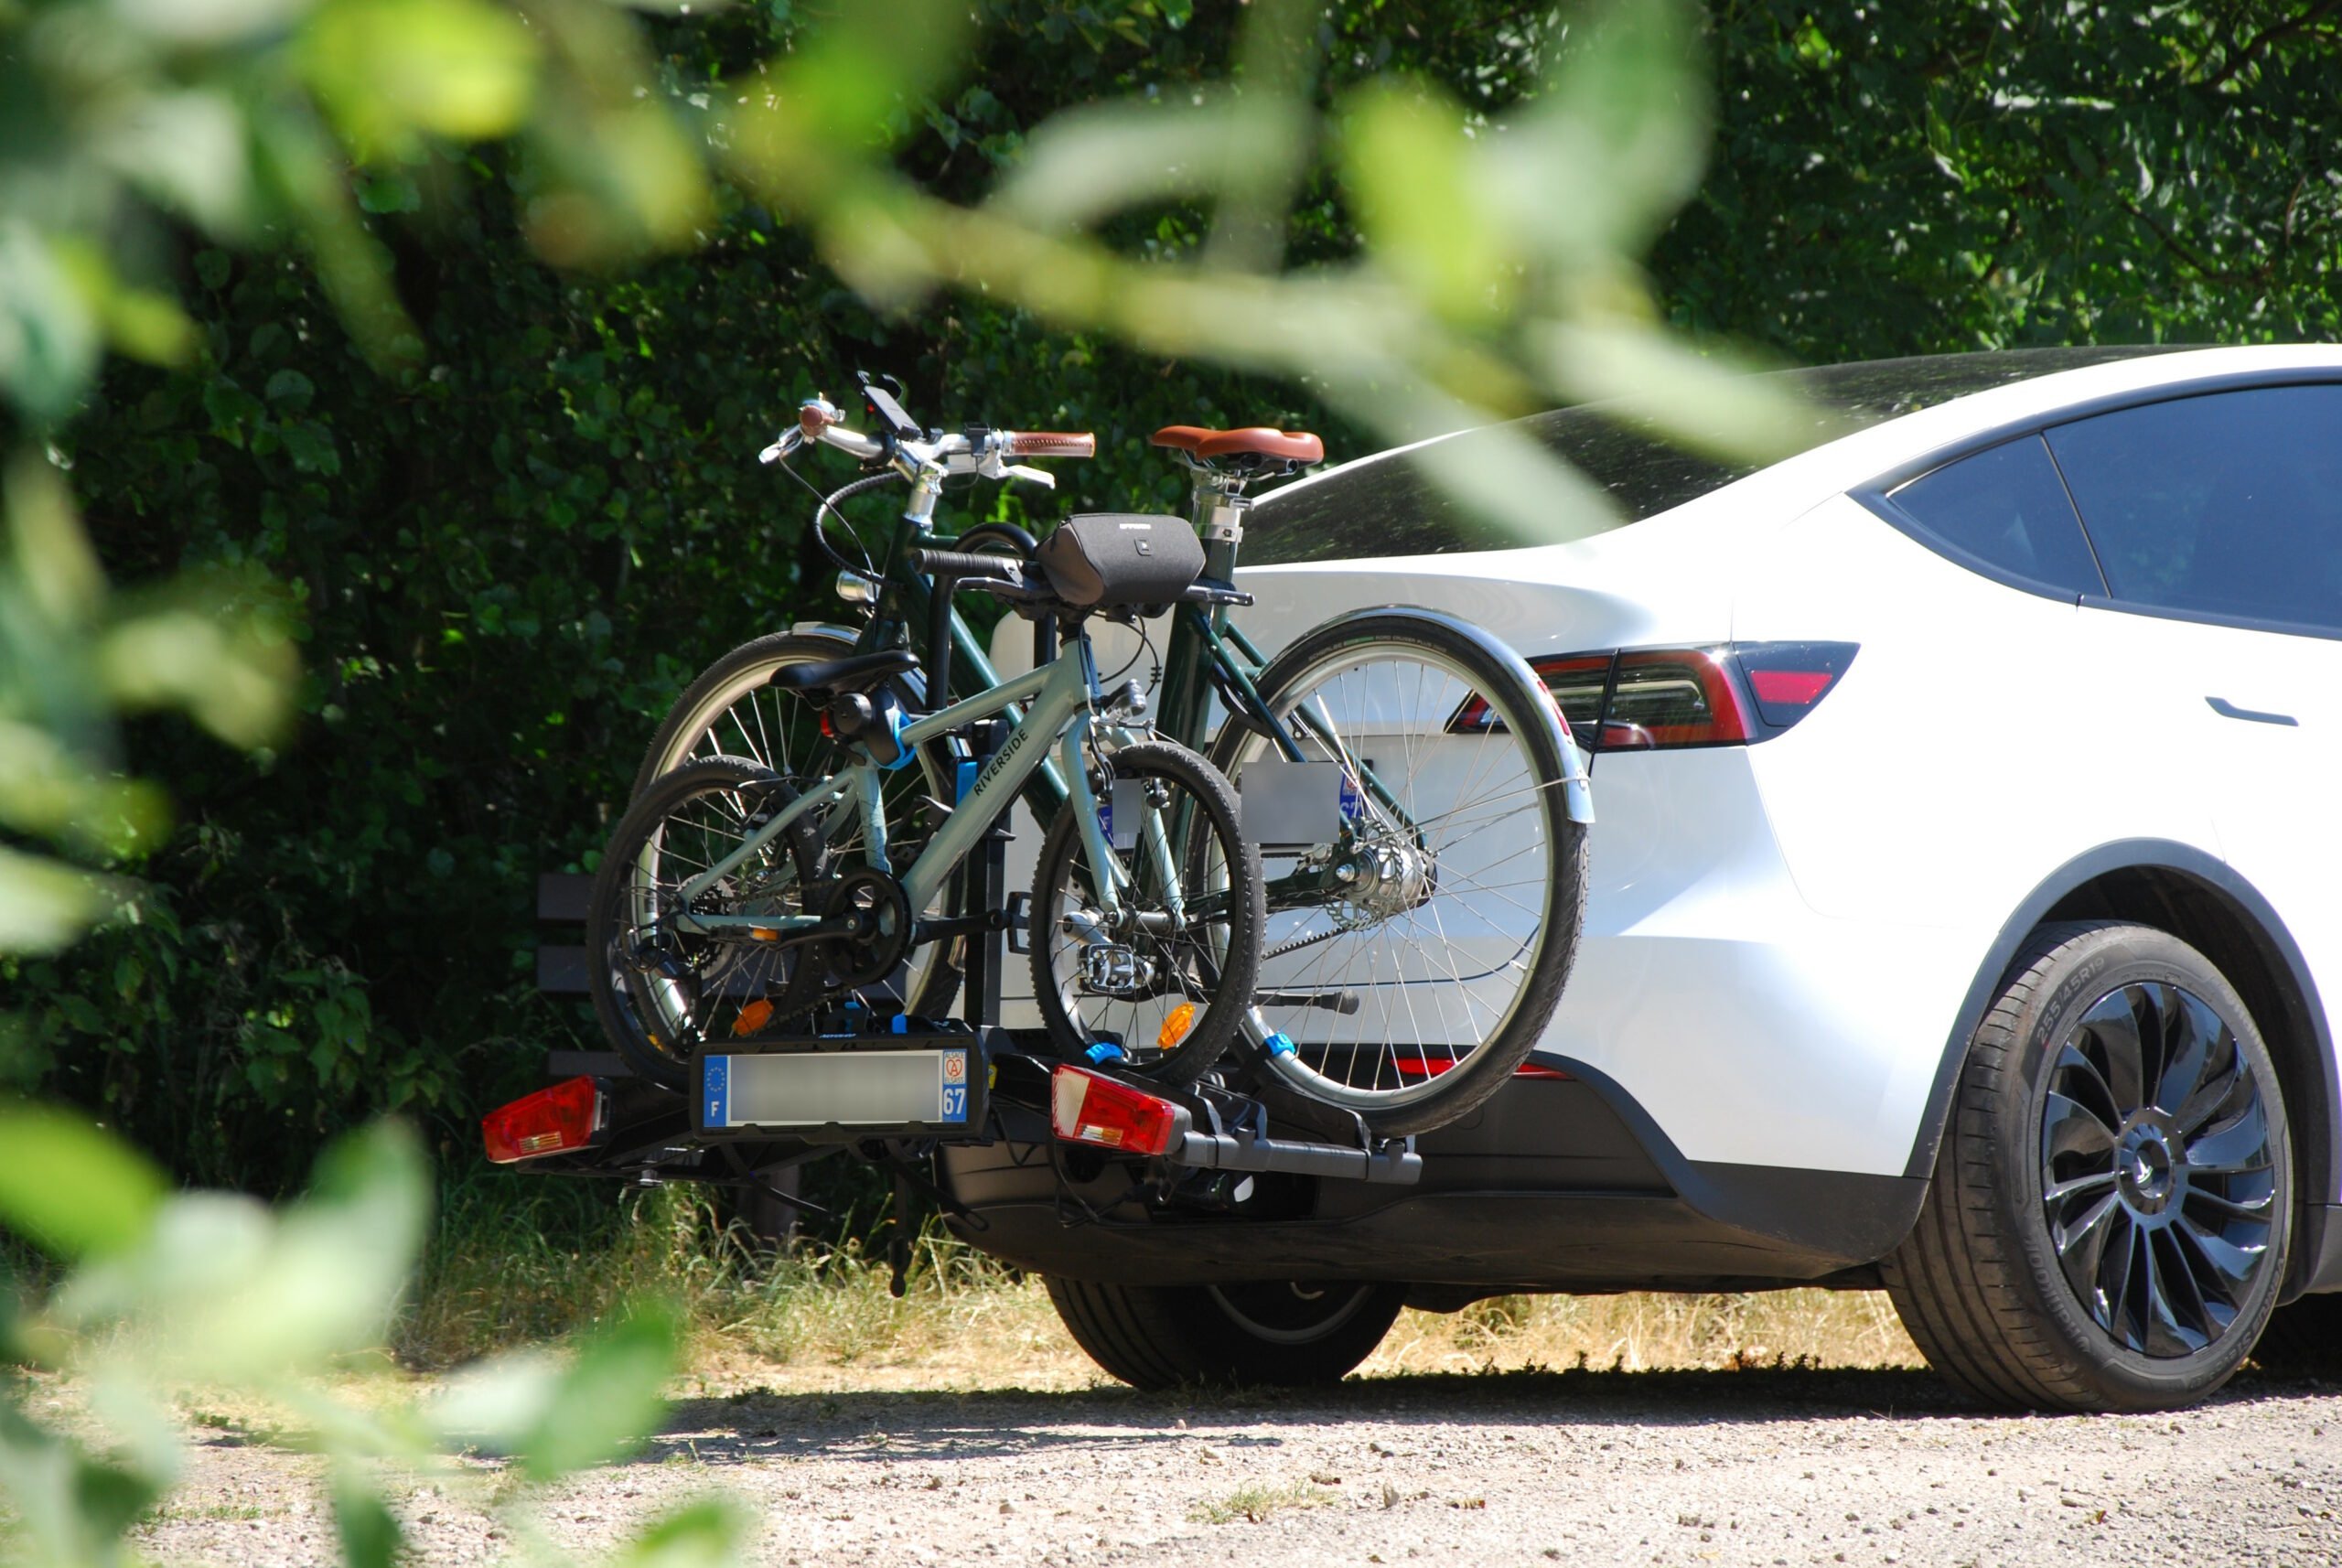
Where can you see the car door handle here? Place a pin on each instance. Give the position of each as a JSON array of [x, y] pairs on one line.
[[2228, 710]]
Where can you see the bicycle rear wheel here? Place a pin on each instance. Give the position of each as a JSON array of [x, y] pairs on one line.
[[660, 994], [1415, 958], [733, 710]]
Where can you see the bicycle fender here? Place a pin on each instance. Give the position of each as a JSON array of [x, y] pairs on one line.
[[1577, 787]]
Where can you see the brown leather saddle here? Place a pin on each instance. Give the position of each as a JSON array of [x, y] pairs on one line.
[[1297, 447]]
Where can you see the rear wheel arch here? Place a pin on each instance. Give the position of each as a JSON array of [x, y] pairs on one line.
[[2188, 894]]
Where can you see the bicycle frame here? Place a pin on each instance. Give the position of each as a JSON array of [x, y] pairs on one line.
[[1202, 640], [1061, 693]]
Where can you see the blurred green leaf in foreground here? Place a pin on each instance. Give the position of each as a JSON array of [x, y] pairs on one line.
[[123, 122], [212, 1291]]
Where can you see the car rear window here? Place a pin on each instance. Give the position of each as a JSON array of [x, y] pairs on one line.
[[2228, 504], [2005, 509], [1388, 505]]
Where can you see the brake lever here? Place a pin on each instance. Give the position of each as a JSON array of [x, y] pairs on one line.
[[790, 440], [993, 464]]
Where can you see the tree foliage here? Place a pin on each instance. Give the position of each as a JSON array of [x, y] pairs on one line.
[[508, 552], [1907, 179]]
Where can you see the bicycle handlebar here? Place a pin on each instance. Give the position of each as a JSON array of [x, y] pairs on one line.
[[1050, 443], [960, 563], [1000, 576], [980, 451]]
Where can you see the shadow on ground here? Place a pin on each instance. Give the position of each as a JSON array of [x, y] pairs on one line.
[[757, 1426]]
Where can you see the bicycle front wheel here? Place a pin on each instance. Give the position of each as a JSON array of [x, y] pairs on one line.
[[1165, 977], [1414, 956]]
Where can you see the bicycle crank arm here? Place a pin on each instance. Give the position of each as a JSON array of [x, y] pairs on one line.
[[1092, 931], [947, 927], [743, 931]]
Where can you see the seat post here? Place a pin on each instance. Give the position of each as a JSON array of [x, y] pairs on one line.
[[1217, 506]]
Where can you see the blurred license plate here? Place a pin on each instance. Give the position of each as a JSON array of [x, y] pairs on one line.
[[1293, 803], [842, 1094]]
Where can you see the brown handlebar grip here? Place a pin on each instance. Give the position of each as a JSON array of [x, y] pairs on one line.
[[1052, 443]]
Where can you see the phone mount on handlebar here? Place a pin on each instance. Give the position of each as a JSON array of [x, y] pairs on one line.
[[888, 408]]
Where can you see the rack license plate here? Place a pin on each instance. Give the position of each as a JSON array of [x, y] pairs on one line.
[[841, 1095]]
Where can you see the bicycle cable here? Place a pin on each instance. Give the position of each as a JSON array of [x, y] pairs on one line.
[[828, 504], [1146, 650]]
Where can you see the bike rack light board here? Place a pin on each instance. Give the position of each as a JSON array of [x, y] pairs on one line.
[[926, 1080]]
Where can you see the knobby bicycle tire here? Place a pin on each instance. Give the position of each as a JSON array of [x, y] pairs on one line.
[[713, 985], [1215, 962]]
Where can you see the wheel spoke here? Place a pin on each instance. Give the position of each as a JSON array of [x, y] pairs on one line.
[[2058, 1192], [2254, 1209], [2173, 1311], [2079, 1076], [2221, 1087], [2111, 1290], [2233, 1262], [2194, 1033], [2237, 1145], [2070, 1129], [2081, 1244], [2112, 1028]]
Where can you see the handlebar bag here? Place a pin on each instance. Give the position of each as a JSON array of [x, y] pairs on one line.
[[1111, 560]]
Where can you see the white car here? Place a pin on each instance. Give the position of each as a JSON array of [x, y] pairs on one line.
[[1963, 905]]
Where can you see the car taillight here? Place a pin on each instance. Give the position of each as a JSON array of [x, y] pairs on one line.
[[564, 1116], [1091, 1107], [1676, 696], [1787, 678], [1577, 683], [1652, 699]]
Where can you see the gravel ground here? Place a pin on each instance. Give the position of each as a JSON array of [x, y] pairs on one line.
[[1770, 1466]]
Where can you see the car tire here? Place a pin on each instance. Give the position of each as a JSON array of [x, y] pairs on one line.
[[1273, 1336], [2083, 1246]]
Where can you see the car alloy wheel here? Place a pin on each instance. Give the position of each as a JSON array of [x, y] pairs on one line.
[[2158, 1172]]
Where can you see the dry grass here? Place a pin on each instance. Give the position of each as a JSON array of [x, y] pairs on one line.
[[1643, 1332], [508, 1271]]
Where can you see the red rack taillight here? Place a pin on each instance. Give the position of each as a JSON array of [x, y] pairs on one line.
[[1089, 1108], [564, 1116]]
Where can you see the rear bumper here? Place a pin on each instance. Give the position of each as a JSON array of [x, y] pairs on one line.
[[1550, 1187]]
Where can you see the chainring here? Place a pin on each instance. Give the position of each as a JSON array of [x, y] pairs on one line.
[[882, 912]]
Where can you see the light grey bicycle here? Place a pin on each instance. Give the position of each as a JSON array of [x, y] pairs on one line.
[[733, 902]]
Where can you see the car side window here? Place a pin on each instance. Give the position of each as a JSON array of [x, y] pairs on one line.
[[2005, 507], [2228, 504]]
